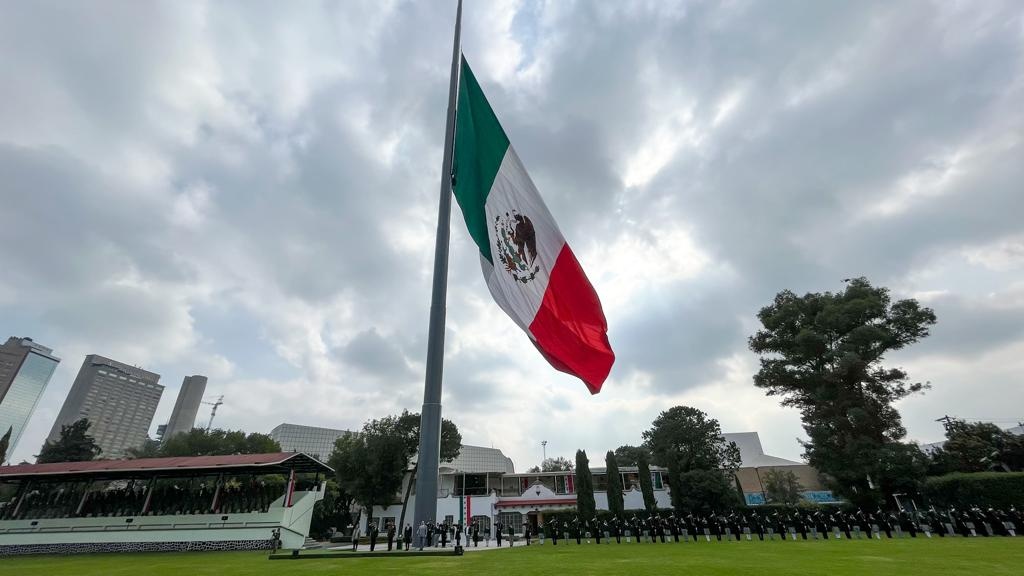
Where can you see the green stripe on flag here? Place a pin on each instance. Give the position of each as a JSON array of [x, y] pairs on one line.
[[480, 146]]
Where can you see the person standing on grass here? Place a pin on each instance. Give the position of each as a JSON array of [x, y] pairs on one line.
[[391, 535], [498, 527], [476, 535], [372, 533], [355, 538], [421, 534], [511, 535], [407, 535]]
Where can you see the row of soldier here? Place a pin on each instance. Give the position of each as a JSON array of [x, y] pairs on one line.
[[790, 524]]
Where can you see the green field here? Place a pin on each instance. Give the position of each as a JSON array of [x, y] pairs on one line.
[[860, 557]]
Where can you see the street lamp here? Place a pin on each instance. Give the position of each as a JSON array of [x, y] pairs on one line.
[[544, 447]]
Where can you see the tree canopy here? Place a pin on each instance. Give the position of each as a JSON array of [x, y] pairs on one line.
[[370, 464], [822, 353], [687, 439], [74, 445], [979, 447], [630, 455], [216, 442], [556, 464]]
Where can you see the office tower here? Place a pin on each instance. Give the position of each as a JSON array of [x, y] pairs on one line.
[[183, 417], [25, 369], [119, 400], [317, 442]]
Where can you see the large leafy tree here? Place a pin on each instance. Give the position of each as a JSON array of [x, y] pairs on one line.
[[150, 449], [556, 464], [822, 353], [74, 445], [978, 447], [585, 503], [370, 464], [687, 439], [615, 501], [407, 426], [217, 442]]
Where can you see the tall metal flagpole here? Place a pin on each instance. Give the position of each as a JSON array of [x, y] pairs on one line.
[[430, 417]]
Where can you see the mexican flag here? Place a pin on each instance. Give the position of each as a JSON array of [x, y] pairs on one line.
[[529, 268]]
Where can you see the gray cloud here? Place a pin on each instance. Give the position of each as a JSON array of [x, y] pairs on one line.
[[252, 191]]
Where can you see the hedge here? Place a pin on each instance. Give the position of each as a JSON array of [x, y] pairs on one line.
[[984, 489]]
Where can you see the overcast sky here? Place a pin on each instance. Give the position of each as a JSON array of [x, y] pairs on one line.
[[248, 191]]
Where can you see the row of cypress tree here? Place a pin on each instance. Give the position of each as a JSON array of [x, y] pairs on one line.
[[586, 506]]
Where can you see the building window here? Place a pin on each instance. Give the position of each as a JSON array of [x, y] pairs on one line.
[[513, 519]]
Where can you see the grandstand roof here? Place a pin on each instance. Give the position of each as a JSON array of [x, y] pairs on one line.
[[277, 462]]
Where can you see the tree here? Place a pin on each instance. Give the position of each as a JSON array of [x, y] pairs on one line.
[[978, 447], [408, 427], [822, 353], [646, 485], [334, 511], [217, 442], [630, 455], [688, 439], [782, 486], [615, 501], [585, 503], [557, 464], [74, 445], [4, 443], [901, 469], [705, 490], [371, 464]]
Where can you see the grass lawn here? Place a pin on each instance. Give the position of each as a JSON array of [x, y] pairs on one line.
[[905, 557]]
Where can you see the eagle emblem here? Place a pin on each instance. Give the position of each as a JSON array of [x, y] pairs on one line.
[[516, 241]]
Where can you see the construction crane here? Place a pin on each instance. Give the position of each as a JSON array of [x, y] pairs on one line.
[[217, 404]]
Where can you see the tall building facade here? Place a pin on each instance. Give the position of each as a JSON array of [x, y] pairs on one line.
[[119, 400], [25, 370], [183, 417], [317, 442]]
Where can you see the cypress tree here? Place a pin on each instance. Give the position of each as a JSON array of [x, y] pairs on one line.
[[4, 443], [646, 486], [585, 504], [615, 503]]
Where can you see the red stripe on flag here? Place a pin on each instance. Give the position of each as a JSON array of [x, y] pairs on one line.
[[570, 329]]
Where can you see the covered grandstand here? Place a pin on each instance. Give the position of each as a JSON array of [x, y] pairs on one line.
[[204, 502]]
